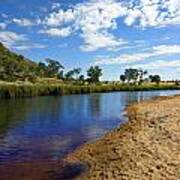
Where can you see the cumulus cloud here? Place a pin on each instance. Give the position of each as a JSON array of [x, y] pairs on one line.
[[160, 64], [10, 38], [3, 25], [136, 57], [27, 46], [55, 5], [57, 18], [94, 41], [93, 19], [17, 41], [3, 15], [63, 32], [96, 20], [147, 13], [23, 22]]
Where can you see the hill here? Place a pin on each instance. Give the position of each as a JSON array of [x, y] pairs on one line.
[[15, 67]]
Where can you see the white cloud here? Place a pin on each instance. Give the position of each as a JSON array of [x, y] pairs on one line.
[[94, 41], [10, 38], [94, 20], [3, 25], [63, 32], [136, 57], [27, 46], [166, 49], [17, 41], [4, 15], [58, 18], [160, 64], [153, 13], [55, 5], [23, 22]]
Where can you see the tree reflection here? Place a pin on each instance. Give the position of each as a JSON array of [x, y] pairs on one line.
[[95, 105]]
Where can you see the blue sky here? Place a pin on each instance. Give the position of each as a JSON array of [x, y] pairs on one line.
[[113, 34]]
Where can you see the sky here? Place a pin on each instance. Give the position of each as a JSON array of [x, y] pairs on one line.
[[113, 34]]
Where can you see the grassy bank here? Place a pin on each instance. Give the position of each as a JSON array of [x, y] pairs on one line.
[[14, 90]]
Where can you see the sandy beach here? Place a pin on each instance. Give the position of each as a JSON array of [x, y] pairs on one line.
[[147, 147]]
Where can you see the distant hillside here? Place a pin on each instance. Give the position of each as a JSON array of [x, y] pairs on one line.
[[15, 67]]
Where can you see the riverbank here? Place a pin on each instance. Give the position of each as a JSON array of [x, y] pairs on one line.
[[147, 147], [15, 90]]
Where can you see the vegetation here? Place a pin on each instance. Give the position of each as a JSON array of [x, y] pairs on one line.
[[155, 78], [94, 73], [14, 90], [72, 75], [136, 76], [21, 77], [133, 76], [15, 67]]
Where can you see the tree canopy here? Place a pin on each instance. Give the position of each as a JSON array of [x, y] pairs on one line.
[[14, 67], [94, 73], [155, 78]]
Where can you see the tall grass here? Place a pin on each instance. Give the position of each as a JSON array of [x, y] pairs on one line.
[[30, 90]]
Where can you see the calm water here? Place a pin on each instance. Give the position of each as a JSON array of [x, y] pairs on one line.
[[47, 128]]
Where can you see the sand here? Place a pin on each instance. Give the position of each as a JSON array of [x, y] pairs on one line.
[[147, 147]]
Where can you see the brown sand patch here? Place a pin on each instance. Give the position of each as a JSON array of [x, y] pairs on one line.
[[147, 147]]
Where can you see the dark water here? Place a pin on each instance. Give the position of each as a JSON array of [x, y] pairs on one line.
[[47, 128]]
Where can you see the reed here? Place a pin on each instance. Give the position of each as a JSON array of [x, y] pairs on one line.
[[14, 90]]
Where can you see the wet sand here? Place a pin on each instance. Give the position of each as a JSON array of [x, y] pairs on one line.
[[147, 147], [40, 170]]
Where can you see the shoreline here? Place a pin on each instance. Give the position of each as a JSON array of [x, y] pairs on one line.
[[146, 147], [13, 90]]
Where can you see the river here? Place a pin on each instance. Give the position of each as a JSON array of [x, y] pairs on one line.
[[35, 133]]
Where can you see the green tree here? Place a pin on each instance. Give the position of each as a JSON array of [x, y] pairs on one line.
[[131, 74], [69, 75], [81, 78], [77, 71], [61, 75], [142, 73], [122, 78], [155, 78], [94, 73], [73, 74], [42, 70], [53, 67]]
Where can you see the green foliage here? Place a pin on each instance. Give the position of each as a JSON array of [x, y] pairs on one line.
[[77, 71], [46, 78], [69, 75], [15, 67], [61, 75], [81, 78], [141, 74], [53, 67], [94, 73], [123, 78], [42, 69], [14, 90], [133, 75], [72, 74], [155, 78]]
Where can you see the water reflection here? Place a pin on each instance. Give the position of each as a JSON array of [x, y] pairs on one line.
[[95, 104], [47, 128]]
